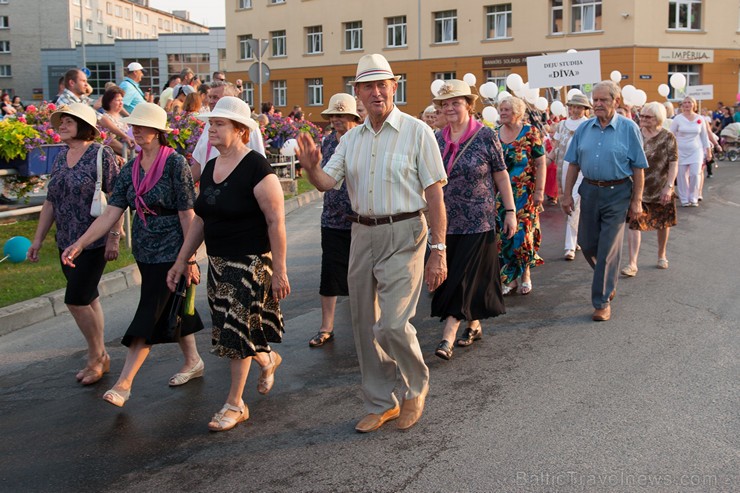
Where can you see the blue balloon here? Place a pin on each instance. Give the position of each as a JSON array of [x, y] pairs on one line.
[[16, 248]]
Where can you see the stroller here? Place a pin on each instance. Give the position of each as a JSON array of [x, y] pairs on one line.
[[729, 139]]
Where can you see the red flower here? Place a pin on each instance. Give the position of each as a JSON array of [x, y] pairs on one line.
[[52, 107], [49, 131], [176, 131], [31, 108], [698, 121], [57, 139], [178, 118], [103, 135]]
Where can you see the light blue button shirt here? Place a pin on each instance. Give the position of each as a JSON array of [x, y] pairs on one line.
[[609, 153], [133, 96]]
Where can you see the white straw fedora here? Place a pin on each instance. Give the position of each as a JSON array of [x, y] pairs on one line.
[[579, 100], [231, 108], [148, 115], [81, 110], [455, 89], [341, 104], [373, 67]]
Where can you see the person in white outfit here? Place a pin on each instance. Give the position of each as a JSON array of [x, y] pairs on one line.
[[578, 107], [693, 147]]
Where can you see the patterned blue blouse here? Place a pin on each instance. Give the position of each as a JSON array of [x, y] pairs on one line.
[[160, 240], [70, 191], [469, 194], [336, 202]]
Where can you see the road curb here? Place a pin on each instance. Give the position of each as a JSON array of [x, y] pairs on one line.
[[25, 313]]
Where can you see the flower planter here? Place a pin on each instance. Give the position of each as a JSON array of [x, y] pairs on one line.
[[38, 161]]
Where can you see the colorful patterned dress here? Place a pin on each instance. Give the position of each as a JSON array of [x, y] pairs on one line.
[[520, 251]]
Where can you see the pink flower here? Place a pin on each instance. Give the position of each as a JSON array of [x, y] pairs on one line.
[[176, 131], [52, 107], [49, 131], [103, 135], [57, 139], [178, 118], [22, 119], [31, 108]]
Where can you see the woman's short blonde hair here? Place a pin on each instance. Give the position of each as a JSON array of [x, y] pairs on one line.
[[694, 104], [654, 109], [517, 106], [670, 111]]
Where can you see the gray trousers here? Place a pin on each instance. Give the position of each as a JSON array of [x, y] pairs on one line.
[[600, 234]]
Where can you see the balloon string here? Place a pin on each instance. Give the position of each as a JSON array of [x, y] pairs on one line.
[[4, 258]]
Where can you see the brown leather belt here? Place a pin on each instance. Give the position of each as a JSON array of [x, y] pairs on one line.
[[377, 221], [599, 183]]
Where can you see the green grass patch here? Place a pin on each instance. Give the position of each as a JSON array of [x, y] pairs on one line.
[[27, 280]]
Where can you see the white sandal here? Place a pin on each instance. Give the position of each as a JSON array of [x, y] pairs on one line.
[[526, 287], [117, 397], [220, 422], [183, 378], [267, 375]]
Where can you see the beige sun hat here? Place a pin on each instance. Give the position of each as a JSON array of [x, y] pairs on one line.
[[148, 115], [430, 110], [373, 67], [455, 89], [579, 100], [341, 104], [81, 110], [231, 108]]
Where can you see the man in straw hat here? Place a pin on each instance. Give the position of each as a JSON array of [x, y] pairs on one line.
[[393, 170]]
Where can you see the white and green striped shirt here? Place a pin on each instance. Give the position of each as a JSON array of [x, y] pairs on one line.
[[387, 172]]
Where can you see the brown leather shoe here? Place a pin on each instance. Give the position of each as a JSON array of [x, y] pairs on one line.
[[372, 422], [411, 410], [612, 295], [602, 314]]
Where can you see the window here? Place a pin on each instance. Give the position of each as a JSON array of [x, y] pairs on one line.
[[498, 21], [128, 33], [445, 26], [498, 77], [586, 16], [161, 22], [353, 36], [692, 74], [109, 8], [245, 51], [167, 25], [314, 40], [315, 92], [396, 31], [400, 96], [89, 25], [146, 19], [75, 2], [556, 16], [445, 75], [248, 94], [684, 14], [4, 22], [349, 86], [127, 13], [275, 2], [100, 73], [3, 2], [245, 4], [78, 24], [100, 38], [119, 32], [151, 72], [118, 11], [88, 4], [137, 17], [4, 46], [280, 93], [109, 30], [278, 43], [99, 16], [5, 71]]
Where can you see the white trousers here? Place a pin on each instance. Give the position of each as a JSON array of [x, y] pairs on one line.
[[571, 225], [689, 181]]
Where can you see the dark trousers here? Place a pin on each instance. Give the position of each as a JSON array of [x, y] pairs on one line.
[[600, 234]]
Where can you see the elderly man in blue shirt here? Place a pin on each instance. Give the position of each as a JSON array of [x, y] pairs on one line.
[[134, 94], [608, 151]]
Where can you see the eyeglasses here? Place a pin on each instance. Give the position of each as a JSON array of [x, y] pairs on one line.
[[646, 117]]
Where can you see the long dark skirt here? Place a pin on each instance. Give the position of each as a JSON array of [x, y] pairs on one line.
[[472, 290], [151, 318], [246, 317], [334, 261]]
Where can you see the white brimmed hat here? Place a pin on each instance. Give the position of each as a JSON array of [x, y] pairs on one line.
[[579, 100], [455, 89], [341, 104], [430, 110], [81, 110], [184, 89], [231, 108], [373, 67], [148, 115], [134, 66]]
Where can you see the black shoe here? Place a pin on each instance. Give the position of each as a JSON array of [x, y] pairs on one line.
[[444, 350], [469, 336]]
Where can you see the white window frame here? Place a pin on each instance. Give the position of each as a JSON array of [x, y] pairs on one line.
[[691, 7], [585, 11], [280, 93], [89, 25], [498, 77], [146, 19], [396, 28], [127, 13], [88, 4], [6, 71], [245, 50], [400, 96], [315, 89], [137, 16], [353, 36], [119, 33], [692, 72], [99, 16], [279, 41], [276, 2], [314, 40], [557, 12], [348, 84], [78, 24], [445, 27], [245, 4], [498, 21], [109, 8], [445, 75], [4, 22], [109, 31], [119, 12], [4, 44], [247, 94], [76, 2]]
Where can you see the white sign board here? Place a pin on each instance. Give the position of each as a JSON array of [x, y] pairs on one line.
[[701, 93], [564, 69], [680, 55]]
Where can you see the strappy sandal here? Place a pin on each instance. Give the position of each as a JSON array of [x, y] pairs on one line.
[[526, 288], [321, 338], [90, 376], [267, 375], [470, 336], [508, 289], [444, 350], [117, 397], [221, 422]]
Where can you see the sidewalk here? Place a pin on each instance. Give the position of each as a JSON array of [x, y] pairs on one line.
[[50, 305]]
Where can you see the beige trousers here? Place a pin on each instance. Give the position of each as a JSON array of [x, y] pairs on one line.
[[386, 270]]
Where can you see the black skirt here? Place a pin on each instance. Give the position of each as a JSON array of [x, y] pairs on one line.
[[472, 290], [151, 318], [83, 279], [334, 261]]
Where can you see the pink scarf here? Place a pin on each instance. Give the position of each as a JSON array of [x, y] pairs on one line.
[[151, 179], [451, 147]]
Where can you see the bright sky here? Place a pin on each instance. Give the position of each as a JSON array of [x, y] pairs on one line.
[[208, 12]]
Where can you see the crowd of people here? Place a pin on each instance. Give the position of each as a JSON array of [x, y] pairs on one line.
[[444, 201]]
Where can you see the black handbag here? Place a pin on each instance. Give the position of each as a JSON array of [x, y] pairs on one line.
[[174, 321]]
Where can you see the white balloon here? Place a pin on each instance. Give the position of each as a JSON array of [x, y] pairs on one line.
[[640, 98], [490, 114], [557, 107], [573, 92], [532, 95], [628, 91], [564, 112], [514, 82], [616, 76], [437, 85], [289, 147], [503, 95], [557, 88], [678, 81], [664, 90], [492, 89], [572, 51], [469, 79], [541, 103]]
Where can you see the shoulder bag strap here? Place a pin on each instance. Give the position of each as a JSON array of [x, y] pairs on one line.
[[99, 179]]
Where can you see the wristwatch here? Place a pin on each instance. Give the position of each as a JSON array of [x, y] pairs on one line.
[[438, 246]]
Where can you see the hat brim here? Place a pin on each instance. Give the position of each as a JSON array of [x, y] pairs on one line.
[[57, 116], [576, 103], [472, 98], [249, 122], [371, 78], [327, 113], [146, 123]]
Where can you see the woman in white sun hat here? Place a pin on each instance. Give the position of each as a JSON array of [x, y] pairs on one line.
[[158, 187], [240, 214]]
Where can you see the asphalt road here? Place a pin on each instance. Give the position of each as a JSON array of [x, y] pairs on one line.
[[548, 401]]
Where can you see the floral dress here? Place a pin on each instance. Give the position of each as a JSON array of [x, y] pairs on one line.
[[520, 251]]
